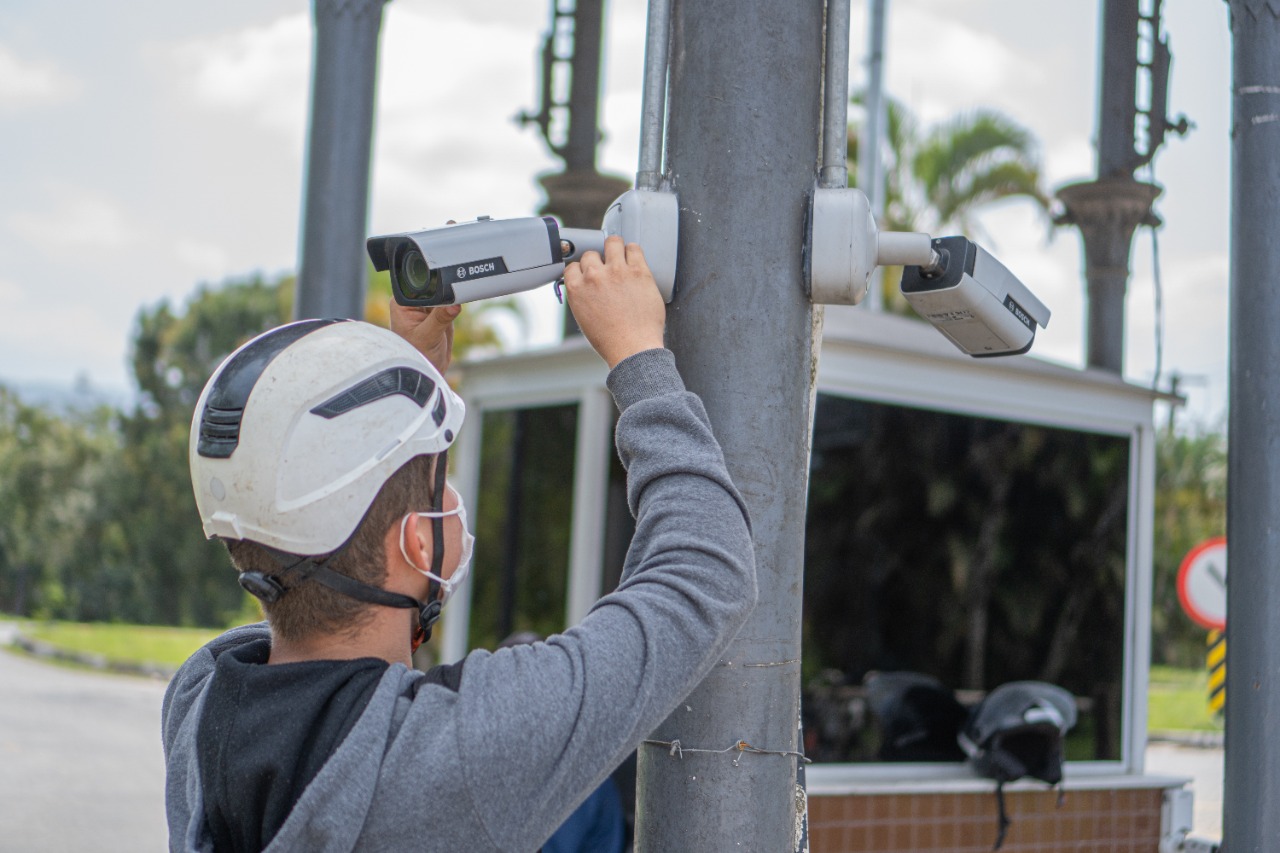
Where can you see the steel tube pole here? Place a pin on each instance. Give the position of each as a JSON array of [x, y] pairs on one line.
[[871, 145], [654, 99], [331, 270], [742, 153], [1252, 780], [835, 98]]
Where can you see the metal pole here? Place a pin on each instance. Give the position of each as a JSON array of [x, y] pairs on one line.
[[331, 274], [654, 105], [742, 150], [1118, 88], [871, 145], [1252, 780], [835, 99], [584, 88]]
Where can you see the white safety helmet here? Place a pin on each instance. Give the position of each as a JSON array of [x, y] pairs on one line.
[[297, 430]]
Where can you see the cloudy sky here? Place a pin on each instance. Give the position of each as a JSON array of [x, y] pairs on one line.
[[151, 147]]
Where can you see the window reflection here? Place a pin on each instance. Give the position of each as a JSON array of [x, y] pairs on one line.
[[971, 550], [523, 515]]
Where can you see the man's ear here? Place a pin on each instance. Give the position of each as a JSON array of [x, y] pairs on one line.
[[417, 542]]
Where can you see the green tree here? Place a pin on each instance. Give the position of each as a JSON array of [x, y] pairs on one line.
[[937, 178], [1191, 506], [50, 469], [153, 548]]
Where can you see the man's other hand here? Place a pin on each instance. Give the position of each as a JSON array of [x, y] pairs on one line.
[[616, 301], [430, 330]]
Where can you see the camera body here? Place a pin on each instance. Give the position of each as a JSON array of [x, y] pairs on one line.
[[470, 260], [974, 300], [489, 257], [952, 282]]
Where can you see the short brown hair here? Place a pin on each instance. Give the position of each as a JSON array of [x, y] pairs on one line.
[[309, 607]]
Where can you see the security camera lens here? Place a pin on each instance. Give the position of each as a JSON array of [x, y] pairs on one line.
[[417, 279]]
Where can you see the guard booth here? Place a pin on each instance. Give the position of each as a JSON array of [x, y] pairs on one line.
[[977, 521]]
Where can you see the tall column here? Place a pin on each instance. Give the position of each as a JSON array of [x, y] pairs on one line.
[[742, 153], [331, 274], [1107, 212], [1250, 813], [579, 195], [1111, 208]]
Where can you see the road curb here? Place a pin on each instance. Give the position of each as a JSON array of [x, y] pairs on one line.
[[1197, 740], [48, 651]]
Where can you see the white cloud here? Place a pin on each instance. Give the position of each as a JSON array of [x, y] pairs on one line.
[[77, 220], [1067, 159], [10, 294], [962, 67], [26, 83], [262, 71], [447, 143], [205, 260]]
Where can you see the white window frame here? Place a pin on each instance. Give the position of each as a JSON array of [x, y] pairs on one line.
[[557, 378], [1023, 391]]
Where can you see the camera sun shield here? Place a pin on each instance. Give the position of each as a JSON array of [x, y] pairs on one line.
[[473, 260]]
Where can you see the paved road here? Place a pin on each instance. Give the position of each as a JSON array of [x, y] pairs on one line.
[[1205, 767], [81, 766]]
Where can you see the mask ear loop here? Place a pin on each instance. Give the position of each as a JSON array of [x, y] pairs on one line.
[[429, 612]]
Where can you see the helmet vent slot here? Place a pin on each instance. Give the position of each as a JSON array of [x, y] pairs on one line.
[[219, 431], [402, 381], [438, 413]]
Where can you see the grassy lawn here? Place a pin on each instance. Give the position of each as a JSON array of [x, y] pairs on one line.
[[141, 644], [1178, 700]]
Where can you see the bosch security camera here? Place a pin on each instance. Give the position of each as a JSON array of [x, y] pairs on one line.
[[952, 282], [488, 257], [974, 300]]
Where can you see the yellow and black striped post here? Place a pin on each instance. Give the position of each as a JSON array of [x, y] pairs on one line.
[[1216, 661]]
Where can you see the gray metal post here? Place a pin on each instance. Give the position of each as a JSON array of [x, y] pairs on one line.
[[1118, 92], [654, 102], [871, 145], [1252, 782], [742, 154], [331, 273]]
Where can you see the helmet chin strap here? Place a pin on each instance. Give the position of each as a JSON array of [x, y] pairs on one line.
[[270, 588], [437, 523]]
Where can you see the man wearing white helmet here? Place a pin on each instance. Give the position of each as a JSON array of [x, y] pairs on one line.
[[318, 455]]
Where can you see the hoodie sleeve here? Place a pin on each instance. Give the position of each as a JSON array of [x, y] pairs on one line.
[[538, 727]]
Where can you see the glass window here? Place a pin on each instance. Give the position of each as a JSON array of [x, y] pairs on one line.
[[522, 526], [972, 550]]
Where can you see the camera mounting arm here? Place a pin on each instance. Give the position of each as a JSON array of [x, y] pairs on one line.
[[968, 295]]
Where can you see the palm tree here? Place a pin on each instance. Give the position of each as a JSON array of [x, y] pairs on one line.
[[937, 178]]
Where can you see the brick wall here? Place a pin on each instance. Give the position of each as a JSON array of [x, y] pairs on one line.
[[1089, 821]]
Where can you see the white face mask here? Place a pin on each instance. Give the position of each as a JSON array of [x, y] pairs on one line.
[[464, 560]]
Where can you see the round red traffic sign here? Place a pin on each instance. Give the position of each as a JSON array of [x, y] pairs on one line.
[[1202, 584]]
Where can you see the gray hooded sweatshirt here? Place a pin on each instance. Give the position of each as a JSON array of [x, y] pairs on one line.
[[530, 731]]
